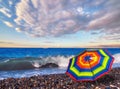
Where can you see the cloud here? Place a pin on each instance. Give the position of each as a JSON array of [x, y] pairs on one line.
[[16, 44], [48, 18], [18, 29], [8, 23], [3, 42], [5, 11], [41, 18], [108, 20], [109, 46], [113, 37], [10, 2], [48, 42]]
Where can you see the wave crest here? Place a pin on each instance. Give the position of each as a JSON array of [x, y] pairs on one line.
[[117, 58]]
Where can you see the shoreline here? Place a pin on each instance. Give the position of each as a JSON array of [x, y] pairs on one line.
[[62, 81]]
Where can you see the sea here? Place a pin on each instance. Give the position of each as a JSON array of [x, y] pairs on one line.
[[27, 62]]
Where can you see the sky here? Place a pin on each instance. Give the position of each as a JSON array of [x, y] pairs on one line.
[[59, 23]]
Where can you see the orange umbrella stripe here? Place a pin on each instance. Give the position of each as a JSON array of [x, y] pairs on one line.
[[82, 58], [92, 62], [83, 61], [85, 64]]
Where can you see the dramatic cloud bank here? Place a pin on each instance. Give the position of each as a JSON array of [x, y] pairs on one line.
[[41, 18]]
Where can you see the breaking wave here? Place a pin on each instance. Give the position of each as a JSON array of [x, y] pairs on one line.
[[116, 62], [34, 63], [117, 58]]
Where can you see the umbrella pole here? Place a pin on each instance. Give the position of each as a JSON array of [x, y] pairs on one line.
[[96, 82]]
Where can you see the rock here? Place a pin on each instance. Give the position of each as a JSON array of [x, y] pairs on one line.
[[107, 87], [97, 87], [49, 65]]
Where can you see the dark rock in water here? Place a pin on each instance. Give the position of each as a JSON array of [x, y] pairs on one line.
[[49, 65]]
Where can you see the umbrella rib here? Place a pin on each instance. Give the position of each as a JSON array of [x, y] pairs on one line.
[[90, 68], [92, 73]]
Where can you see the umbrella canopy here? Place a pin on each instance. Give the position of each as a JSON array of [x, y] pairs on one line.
[[90, 65]]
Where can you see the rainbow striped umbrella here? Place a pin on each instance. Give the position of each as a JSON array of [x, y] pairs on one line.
[[90, 65]]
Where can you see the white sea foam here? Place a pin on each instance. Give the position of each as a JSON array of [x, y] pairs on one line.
[[29, 73], [36, 64], [64, 61], [117, 58], [7, 60], [61, 61]]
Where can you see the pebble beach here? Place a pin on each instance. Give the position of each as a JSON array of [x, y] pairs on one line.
[[62, 81]]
